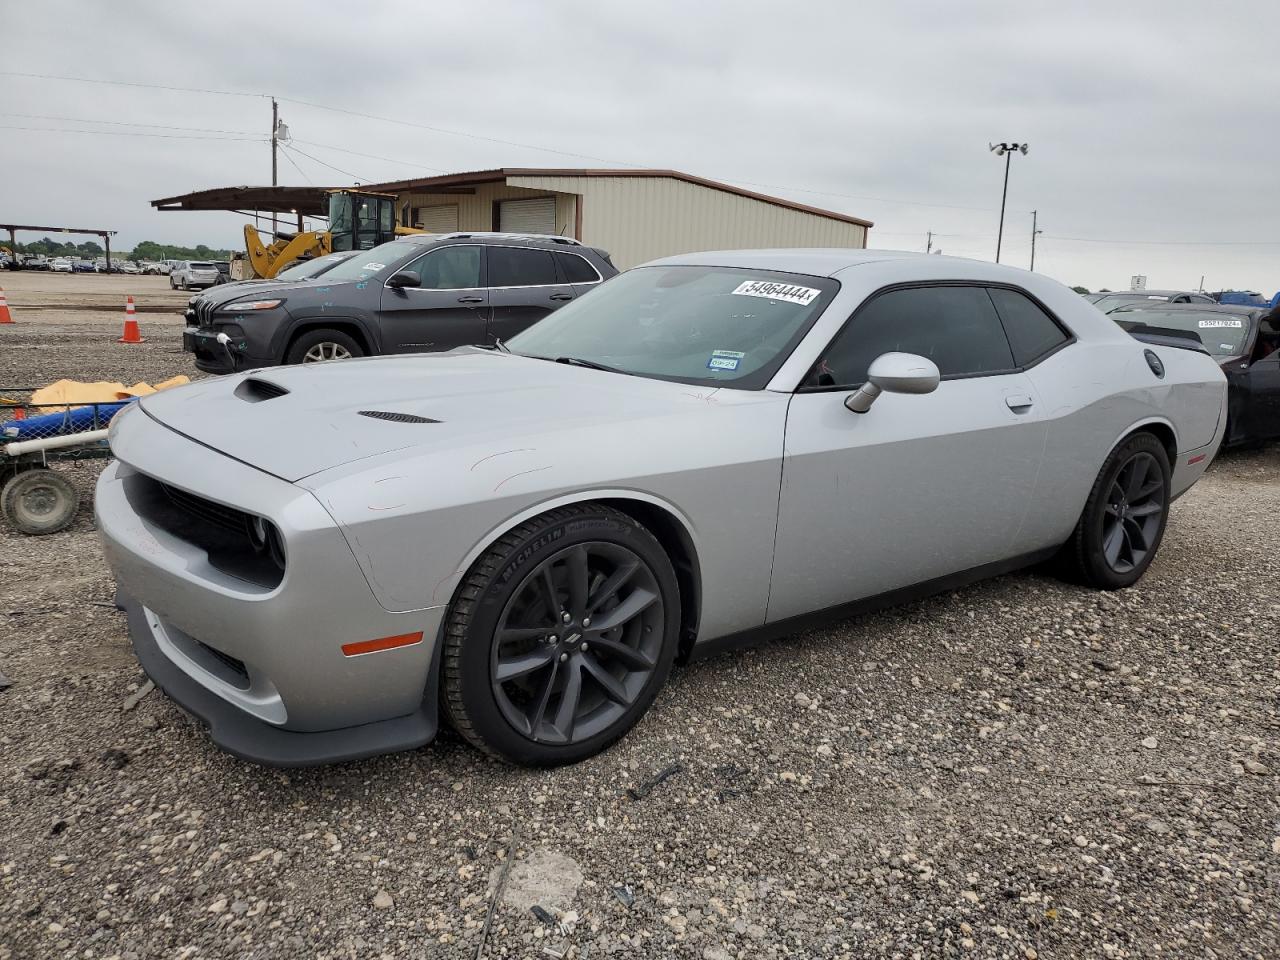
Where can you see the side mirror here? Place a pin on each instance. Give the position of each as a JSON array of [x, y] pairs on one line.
[[894, 373], [405, 278]]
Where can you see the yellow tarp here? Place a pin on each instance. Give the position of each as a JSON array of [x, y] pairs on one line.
[[75, 393]]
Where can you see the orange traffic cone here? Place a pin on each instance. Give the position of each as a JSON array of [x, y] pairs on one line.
[[5, 315], [131, 334]]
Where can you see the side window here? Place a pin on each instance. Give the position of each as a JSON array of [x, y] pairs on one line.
[[1032, 332], [521, 267], [576, 269], [955, 327], [449, 268]]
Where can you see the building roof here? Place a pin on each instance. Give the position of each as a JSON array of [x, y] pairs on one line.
[[308, 201], [445, 181]]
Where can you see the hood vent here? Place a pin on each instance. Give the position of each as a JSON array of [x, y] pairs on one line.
[[255, 391], [395, 417]]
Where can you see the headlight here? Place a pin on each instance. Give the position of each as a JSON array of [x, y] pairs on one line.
[[265, 539], [239, 306]]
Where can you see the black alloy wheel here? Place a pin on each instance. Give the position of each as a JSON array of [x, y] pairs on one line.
[[577, 642], [1134, 513], [1124, 518], [560, 636]]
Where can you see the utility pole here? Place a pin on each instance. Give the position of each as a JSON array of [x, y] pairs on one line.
[[1006, 150], [275, 125], [928, 246], [1034, 231]]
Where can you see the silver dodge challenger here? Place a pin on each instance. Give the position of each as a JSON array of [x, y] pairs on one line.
[[320, 561]]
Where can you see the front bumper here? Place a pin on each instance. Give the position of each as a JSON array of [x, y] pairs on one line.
[[261, 663], [213, 357], [249, 738]]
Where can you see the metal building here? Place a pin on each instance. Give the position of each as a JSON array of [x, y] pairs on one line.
[[636, 215]]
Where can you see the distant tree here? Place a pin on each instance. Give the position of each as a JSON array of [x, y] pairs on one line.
[[89, 249], [1080, 289], [150, 250]]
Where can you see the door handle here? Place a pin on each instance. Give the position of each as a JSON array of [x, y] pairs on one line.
[[562, 296], [1018, 402], [471, 299]]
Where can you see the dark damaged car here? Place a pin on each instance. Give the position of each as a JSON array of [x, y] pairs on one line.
[[422, 293], [1245, 341]]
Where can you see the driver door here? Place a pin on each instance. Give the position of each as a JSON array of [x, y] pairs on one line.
[[919, 487], [449, 308]]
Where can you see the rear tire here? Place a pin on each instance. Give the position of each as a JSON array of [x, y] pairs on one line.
[[39, 501], [525, 675], [1124, 519], [314, 346]]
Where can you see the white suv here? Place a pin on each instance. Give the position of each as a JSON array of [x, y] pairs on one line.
[[189, 274]]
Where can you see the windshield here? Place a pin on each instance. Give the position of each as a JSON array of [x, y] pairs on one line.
[[1221, 334], [307, 269], [707, 325], [381, 259]]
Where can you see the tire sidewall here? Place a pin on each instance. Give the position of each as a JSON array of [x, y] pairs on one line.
[[13, 490], [478, 701], [309, 338], [1097, 568]]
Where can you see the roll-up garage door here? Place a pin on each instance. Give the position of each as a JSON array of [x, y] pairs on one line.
[[441, 219], [527, 216]]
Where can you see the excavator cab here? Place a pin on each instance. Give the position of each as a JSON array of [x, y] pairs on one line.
[[360, 221]]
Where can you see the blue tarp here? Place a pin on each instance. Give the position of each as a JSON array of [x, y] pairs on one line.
[[75, 420]]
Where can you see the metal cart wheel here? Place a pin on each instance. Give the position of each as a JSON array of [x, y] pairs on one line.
[[39, 501]]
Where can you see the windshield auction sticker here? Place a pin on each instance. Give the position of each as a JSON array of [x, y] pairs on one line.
[[725, 359], [777, 291], [1215, 324]]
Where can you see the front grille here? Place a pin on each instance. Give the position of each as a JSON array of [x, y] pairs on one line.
[[239, 672], [228, 518], [204, 312], [395, 417]]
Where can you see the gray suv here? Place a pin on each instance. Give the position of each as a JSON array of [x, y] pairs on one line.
[[419, 293]]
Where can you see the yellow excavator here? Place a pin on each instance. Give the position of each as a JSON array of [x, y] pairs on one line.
[[357, 221]]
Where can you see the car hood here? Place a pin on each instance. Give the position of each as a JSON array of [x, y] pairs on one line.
[[467, 396]]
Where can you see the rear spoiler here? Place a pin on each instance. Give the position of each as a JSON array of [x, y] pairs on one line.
[[1165, 337]]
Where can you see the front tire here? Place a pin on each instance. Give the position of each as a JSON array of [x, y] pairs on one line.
[[560, 637], [1124, 518], [318, 346]]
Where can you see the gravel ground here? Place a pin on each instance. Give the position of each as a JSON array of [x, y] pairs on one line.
[[1019, 769]]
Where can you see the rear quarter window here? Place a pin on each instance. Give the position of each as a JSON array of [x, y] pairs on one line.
[[1032, 332]]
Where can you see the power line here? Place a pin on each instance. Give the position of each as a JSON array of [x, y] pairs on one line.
[[122, 123], [454, 133], [345, 173], [475, 136], [370, 156], [130, 83], [295, 166], [131, 133]]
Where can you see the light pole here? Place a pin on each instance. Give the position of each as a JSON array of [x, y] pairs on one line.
[[1007, 151]]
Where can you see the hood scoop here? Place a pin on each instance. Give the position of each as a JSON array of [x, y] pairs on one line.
[[253, 390], [395, 417]]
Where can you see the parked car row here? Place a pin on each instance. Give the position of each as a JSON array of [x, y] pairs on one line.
[[693, 454]]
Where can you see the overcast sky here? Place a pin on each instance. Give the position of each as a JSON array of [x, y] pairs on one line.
[[1147, 121]]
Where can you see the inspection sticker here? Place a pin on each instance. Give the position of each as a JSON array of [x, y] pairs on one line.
[[725, 359], [1215, 324], [789, 292]]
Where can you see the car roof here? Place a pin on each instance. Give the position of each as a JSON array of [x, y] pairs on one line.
[[1139, 294], [486, 236], [824, 262]]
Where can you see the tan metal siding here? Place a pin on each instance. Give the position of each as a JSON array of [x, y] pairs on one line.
[[642, 218], [475, 211]]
